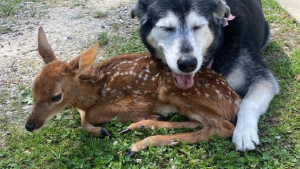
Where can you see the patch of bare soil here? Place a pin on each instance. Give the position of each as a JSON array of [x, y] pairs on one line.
[[71, 26]]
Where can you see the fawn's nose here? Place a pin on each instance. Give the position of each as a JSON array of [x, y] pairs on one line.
[[187, 64], [29, 127]]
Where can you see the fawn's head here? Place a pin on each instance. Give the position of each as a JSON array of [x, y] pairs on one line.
[[53, 86]]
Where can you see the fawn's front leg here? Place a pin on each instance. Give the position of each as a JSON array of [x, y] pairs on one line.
[[85, 125]]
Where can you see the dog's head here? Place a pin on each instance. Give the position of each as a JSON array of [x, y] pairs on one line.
[[180, 32]]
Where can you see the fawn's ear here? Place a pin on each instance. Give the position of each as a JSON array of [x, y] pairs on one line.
[[44, 48], [85, 60]]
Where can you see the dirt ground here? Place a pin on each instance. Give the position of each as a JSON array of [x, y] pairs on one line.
[[71, 26]]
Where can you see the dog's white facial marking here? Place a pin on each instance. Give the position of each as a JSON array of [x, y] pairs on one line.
[[193, 20], [170, 21], [168, 34], [203, 34], [162, 37]]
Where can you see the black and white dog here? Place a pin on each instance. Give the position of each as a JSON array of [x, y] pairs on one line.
[[188, 34]]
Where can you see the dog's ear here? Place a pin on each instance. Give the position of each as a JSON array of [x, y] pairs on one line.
[[139, 10], [223, 10], [134, 10]]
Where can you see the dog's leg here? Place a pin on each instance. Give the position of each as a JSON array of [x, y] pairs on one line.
[[95, 131], [254, 104], [220, 127], [151, 124]]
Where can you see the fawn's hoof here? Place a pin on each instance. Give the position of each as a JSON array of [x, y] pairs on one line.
[[125, 131], [104, 132], [130, 153]]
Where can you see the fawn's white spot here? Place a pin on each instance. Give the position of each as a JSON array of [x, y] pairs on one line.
[[136, 92], [206, 95]]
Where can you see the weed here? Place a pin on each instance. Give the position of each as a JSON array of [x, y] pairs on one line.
[[26, 97], [103, 39], [115, 26], [4, 29], [100, 15], [7, 7], [33, 13], [4, 96], [78, 4]]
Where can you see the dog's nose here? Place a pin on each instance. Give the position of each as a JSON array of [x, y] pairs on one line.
[[187, 64], [29, 127]]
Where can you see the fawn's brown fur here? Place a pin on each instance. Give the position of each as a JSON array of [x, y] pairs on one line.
[[131, 88]]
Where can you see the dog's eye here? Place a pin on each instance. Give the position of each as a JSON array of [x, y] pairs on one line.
[[56, 98], [197, 27], [168, 29]]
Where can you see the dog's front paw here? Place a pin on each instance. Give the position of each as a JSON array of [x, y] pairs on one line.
[[245, 138]]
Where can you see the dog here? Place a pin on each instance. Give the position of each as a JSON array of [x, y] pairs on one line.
[[226, 36], [133, 88]]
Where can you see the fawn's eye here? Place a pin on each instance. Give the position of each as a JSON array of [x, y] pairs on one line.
[[56, 98]]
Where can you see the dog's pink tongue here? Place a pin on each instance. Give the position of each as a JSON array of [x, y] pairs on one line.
[[184, 81]]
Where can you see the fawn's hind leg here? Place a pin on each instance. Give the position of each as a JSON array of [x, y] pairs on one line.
[[151, 124], [85, 125], [220, 127]]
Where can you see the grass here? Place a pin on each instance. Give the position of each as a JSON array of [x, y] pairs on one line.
[[103, 38], [101, 15], [61, 143], [4, 29], [7, 7]]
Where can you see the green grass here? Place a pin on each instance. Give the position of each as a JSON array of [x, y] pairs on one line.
[[101, 15], [7, 7], [4, 29], [103, 38], [61, 143]]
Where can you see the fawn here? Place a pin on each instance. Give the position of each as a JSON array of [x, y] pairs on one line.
[[133, 88]]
